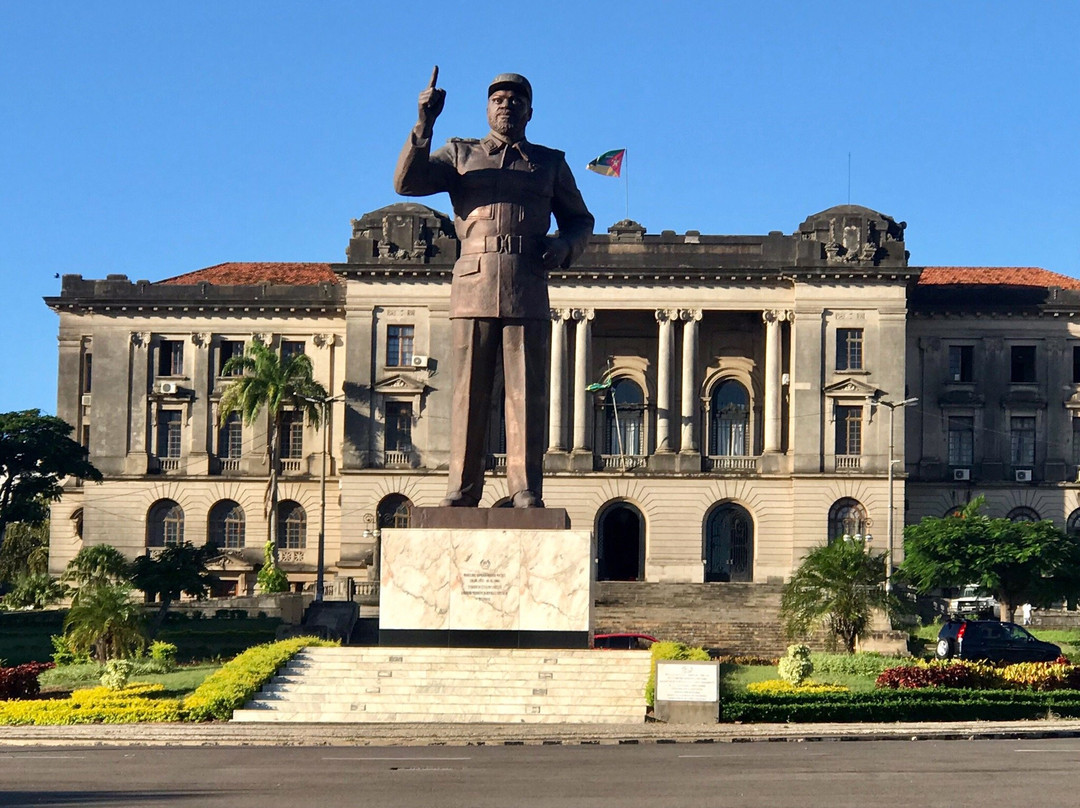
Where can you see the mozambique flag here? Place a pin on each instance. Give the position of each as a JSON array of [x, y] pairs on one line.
[[609, 163]]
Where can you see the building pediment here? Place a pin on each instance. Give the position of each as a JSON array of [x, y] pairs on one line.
[[401, 384], [1023, 399], [229, 562], [850, 388], [961, 398]]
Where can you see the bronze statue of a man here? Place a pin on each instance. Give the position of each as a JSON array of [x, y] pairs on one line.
[[504, 191]]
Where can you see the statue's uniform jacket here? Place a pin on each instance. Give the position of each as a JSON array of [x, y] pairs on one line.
[[504, 196], [499, 190]]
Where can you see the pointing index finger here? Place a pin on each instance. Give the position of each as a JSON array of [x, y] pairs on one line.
[[434, 77]]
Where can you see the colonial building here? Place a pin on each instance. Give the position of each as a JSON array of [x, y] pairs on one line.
[[719, 404]]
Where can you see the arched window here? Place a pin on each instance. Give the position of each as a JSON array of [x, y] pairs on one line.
[[1072, 526], [1023, 514], [625, 419], [292, 526], [729, 544], [226, 528], [620, 543], [847, 517], [729, 420], [395, 511], [955, 510], [77, 522], [164, 524]]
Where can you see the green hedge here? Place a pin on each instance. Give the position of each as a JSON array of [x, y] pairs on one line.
[[233, 685], [931, 704]]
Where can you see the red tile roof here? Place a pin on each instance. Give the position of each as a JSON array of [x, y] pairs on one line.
[[251, 273], [995, 276]]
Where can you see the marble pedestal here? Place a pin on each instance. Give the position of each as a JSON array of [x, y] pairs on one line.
[[489, 587]]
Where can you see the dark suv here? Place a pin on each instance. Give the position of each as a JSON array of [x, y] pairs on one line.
[[994, 641]]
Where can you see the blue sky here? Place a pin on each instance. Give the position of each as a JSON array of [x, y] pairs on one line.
[[153, 139]]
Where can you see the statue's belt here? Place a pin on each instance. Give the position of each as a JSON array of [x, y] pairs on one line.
[[506, 244]]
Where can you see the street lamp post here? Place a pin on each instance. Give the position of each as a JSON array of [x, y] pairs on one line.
[[320, 564], [893, 406]]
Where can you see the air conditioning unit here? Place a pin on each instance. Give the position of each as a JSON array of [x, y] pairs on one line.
[[1023, 475], [166, 388], [86, 399], [420, 361], [961, 474]]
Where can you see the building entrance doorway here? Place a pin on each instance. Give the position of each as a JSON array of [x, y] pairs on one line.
[[621, 543], [729, 545]]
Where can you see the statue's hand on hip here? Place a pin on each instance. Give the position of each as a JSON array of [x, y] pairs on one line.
[[556, 251], [431, 103]]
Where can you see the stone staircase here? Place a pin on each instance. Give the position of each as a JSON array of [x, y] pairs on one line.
[[455, 685]]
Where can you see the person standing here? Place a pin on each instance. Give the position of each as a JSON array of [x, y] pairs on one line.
[[504, 191]]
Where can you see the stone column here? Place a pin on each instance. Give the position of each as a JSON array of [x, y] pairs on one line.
[[138, 450], [688, 438], [200, 426], [773, 387], [582, 339], [557, 394], [664, 359]]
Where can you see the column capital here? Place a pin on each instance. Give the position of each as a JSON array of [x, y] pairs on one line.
[[666, 315], [690, 315], [261, 337], [201, 339], [560, 315], [777, 315], [583, 314], [323, 340], [140, 339]]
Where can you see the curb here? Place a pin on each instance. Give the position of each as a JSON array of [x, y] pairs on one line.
[[359, 735]]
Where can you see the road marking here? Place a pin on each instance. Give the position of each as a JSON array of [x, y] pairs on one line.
[[17, 756], [399, 759], [729, 757], [1051, 751]]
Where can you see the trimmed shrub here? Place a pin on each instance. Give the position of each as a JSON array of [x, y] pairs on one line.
[[781, 686], [117, 673], [1040, 676], [98, 705], [670, 650], [796, 667], [163, 653], [21, 681], [233, 685], [933, 704]]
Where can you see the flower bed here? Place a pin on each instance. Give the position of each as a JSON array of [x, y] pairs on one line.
[[21, 681], [1040, 676]]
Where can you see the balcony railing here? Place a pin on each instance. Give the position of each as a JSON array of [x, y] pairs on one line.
[[398, 459], [848, 462], [229, 463], [623, 462], [169, 463], [496, 463], [291, 464], [731, 463]]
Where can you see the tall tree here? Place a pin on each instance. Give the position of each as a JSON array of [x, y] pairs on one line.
[[1017, 562], [106, 621], [36, 454], [175, 571], [25, 551], [97, 565], [273, 383], [838, 585]]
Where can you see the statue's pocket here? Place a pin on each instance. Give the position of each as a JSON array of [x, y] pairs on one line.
[[467, 265]]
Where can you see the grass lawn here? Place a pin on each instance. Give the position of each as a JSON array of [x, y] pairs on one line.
[[737, 677], [177, 684]]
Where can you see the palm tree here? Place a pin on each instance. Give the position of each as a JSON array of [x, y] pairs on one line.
[[97, 565], [105, 620], [838, 585], [274, 383]]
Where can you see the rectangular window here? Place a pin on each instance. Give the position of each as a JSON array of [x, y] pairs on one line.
[[171, 357], [961, 440], [169, 433], [1023, 364], [86, 436], [398, 426], [1076, 366], [291, 348], [848, 430], [231, 438], [1076, 441], [399, 346], [961, 363], [292, 435], [229, 348], [1022, 439], [88, 372], [849, 349]]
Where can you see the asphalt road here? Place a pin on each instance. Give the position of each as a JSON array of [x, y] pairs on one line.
[[827, 773]]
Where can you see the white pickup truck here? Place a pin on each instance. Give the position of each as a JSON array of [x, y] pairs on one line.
[[971, 602]]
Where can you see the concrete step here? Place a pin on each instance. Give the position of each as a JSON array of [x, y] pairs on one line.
[[455, 685]]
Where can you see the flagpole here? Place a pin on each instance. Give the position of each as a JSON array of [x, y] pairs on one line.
[[626, 183]]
